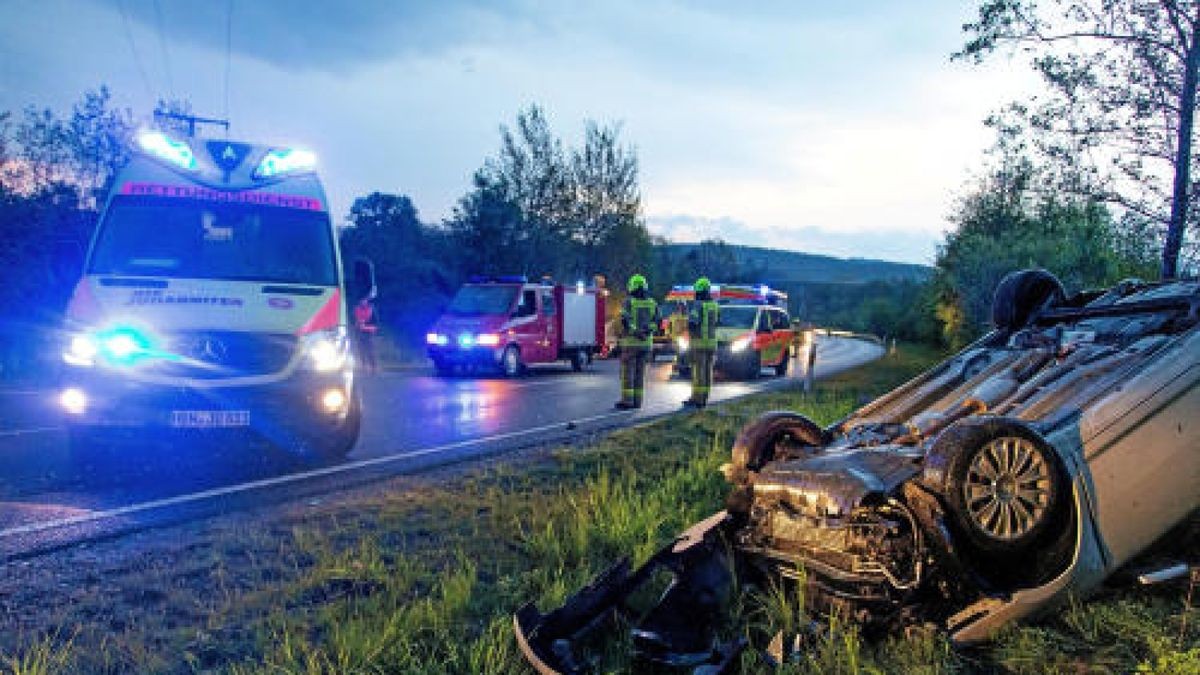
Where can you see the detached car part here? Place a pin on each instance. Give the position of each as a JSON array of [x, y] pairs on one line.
[[1027, 467]]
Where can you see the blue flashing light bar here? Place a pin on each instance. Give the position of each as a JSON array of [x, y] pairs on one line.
[[285, 160], [173, 152]]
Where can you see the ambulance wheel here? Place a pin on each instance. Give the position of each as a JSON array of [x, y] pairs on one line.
[[346, 436], [86, 449], [754, 366], [510, 362], [578, 360]]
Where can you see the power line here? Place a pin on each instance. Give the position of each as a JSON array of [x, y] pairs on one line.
[[137, 59], [228, 56], [162, 43]]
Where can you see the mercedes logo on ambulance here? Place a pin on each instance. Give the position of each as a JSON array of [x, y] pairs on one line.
[[209, 350]]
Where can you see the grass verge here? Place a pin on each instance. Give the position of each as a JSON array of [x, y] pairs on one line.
[[421, 576]]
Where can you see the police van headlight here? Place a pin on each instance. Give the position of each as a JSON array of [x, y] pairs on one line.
[[740, 344], [327, 350]]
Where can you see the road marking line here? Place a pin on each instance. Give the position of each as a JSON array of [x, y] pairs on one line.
[[22, 432], [178, 500]]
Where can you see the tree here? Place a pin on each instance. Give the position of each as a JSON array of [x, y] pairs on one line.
[[1121, 77], [539, 207], [1006, 224]]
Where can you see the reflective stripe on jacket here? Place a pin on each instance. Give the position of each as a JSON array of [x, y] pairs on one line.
[[638, 316], [703, 325]]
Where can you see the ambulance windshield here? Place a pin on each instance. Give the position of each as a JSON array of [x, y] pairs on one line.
[[479, 300], [183, 238], [737, 317]]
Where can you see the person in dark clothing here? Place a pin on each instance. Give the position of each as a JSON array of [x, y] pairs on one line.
[[639, 316], [365, 328]]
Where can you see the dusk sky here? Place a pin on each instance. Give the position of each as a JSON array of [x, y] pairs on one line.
[[826, 127]]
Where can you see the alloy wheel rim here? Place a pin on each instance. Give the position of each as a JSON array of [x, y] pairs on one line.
[[1008, 487]]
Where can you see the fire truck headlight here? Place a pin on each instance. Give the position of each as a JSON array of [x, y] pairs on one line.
[[327, 350], [81, 351], [436, 339], [487, 339], [740, 344]]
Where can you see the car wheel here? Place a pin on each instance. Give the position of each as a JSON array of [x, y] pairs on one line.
[[754, 366], [1020, 294], [510, 362], [760, 441], [578, 360], [1007, 493]]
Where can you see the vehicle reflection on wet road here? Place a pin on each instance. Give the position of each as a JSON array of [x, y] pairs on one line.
[[407, 413]]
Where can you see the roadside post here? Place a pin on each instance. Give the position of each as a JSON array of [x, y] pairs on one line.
[[812, 362]]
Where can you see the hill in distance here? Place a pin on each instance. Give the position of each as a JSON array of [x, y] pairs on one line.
[[789, 268]]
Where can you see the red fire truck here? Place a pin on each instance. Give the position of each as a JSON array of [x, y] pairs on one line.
[[507, 323]]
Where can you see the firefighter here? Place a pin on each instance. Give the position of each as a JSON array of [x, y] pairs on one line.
[[639, 316], [702, 347]]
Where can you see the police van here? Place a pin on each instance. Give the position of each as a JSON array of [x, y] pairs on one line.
[[213, 301]]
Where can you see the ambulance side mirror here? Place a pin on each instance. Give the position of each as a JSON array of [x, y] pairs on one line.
[[363, 283]]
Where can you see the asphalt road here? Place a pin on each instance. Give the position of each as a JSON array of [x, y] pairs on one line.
[[412, 420]]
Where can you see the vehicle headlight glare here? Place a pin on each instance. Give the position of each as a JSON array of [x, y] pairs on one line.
[[81, 351], [328, 351], [740, 344], [487, 339]]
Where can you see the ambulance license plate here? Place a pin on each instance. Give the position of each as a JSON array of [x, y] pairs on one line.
[[209, 419]]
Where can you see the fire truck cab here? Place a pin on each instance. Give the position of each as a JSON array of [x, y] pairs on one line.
[[506, 323]]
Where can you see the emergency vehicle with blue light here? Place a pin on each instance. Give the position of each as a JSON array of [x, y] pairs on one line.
[[753, 331], [506, 323], [212, 301]]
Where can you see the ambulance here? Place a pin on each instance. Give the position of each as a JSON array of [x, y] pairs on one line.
[[213, 303], [753, 332]]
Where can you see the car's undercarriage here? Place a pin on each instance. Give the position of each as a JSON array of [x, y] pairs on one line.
[[960, 500]]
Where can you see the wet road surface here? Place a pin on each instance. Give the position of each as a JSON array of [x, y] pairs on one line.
[[411, 420]]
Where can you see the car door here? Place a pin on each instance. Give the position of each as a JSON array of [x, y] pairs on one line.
[[548, 349], [526, 326]]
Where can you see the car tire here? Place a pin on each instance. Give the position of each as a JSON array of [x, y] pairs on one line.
[[510, 362], [1008, 497], [1021, 294], [578, 360], [754, 366], [758, 442]]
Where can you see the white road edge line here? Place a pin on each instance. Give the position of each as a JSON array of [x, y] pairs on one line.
[[33, 528]]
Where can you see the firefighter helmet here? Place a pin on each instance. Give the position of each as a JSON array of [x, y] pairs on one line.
[[702, 285], [636, 282]]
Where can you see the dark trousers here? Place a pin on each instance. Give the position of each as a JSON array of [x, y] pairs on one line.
[[364, 342], [702, 373], [633, 374]]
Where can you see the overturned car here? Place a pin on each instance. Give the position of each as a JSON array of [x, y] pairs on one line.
[[1027, 467]]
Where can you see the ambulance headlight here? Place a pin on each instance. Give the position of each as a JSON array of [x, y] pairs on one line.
[[81, 350], [327, 350], [681, 343], [740, 344]]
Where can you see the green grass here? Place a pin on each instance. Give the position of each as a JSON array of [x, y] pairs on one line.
[[418, 578]]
